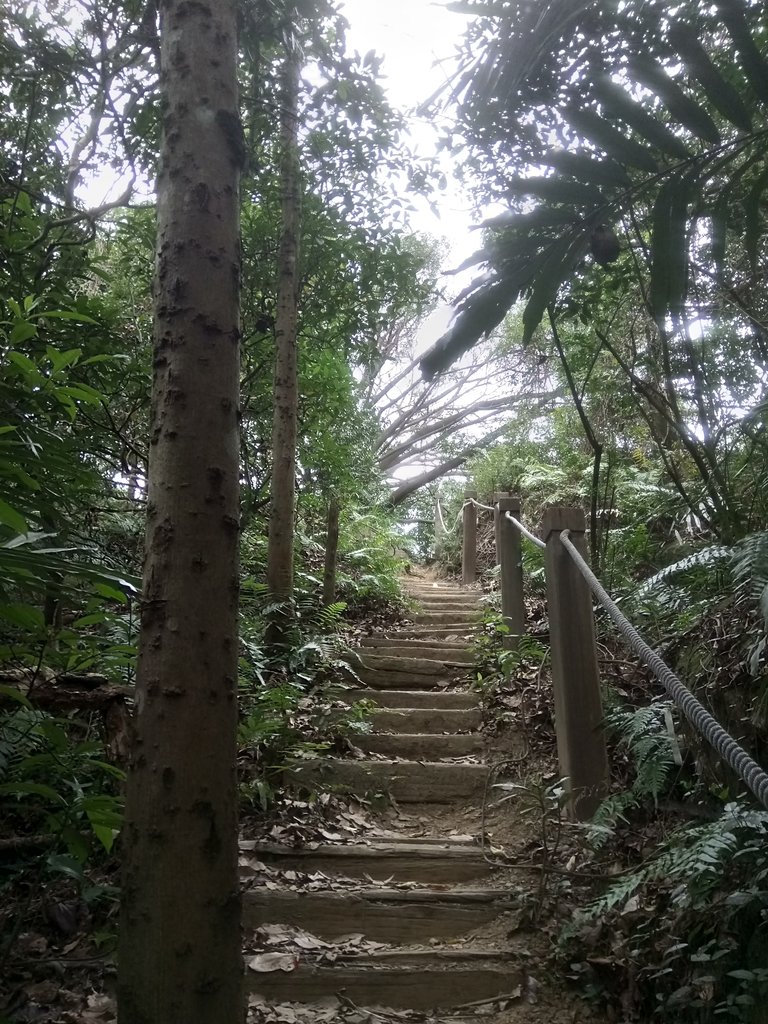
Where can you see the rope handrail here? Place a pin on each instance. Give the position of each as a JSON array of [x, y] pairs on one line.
[[725, 745], [478, 504], [440, 516], [525, 531]]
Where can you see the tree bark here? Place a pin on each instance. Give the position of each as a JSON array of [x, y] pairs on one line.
[[179, 942], [286, 389], [331, 552], [405, 490]]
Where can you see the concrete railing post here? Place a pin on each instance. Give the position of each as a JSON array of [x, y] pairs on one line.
[[510, 561], [469, 540], [575, 676]]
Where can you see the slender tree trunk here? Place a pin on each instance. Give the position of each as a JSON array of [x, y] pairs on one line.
[[286, 391], [594, 444], [179, 941], [331, 552]]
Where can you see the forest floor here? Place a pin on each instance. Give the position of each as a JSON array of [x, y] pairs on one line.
[[443, 904], [472, 928]]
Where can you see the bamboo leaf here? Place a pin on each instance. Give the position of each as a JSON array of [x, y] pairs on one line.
[[719, 234], [680, 106], [669, 248], [10, 517], [523, 223], [618, 104], [659, 290], [557, 190], [591, 126], [683, 194], [717, 89], [556, 267], [755, 67], [753, 219], [586, 168], [484, 310]]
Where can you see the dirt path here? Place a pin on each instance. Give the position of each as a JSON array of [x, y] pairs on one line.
[[415, 923]]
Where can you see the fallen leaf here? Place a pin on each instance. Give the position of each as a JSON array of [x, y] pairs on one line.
[[264, 963]]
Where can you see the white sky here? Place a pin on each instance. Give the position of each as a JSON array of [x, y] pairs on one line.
[[418, 40]]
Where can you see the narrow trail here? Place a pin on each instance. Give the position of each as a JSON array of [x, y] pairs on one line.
[[434, 919]]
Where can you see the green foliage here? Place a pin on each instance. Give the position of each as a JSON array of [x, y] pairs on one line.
[[750, 570], [371, 562], [683, 150], [644, 735], [54, 781], [496, 662], [689, 923]]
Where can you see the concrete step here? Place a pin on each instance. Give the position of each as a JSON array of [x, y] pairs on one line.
[[389, 679], [463, 633], [420, 746], [418, 782], [393, 641], [457, 654], [383, 915], [436, 699], [417, 980], [403, 860], [427, 720], [417, 592], [450, 618], [370, 658], [430, 604]]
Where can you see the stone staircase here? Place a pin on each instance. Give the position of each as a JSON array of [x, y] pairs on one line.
[[419, 905]]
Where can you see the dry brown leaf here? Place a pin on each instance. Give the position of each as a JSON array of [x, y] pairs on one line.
[[265, 963]]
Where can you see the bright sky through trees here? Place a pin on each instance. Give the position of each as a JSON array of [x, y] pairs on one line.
[[418, 40]]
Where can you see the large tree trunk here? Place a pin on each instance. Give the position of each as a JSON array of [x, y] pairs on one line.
[[179, 935], [286, 389]]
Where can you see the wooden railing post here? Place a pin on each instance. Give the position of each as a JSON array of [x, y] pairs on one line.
[[575, 676], [510, 560], [496, 522], [469, 540]]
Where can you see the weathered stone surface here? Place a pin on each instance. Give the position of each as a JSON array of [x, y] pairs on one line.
[[386, 678], [449, 618], [384, 915], [396, 642], [419, 666], [421, 720], [420, 746], [442, 700], [453, 654], [438, 864], [405, 781], [419, 983]]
